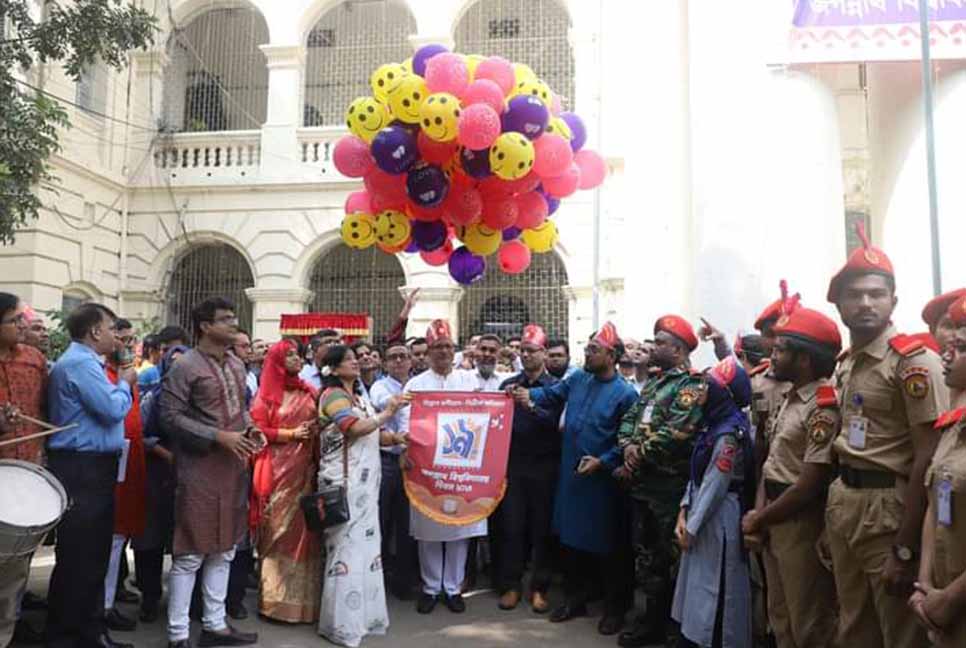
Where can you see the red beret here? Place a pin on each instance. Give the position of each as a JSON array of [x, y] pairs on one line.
[[607, 336], [864, 260], [811, 325], [439, 329], [957, 312], [937, 307], [679, 328], [779, 307], [535, 335]]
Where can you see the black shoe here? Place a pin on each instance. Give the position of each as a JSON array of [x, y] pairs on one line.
[[184, 643], [105, 641], [456, 604], [118, 622], [642, 635], [32, 602], [231, 637], [149, 612], [125, 595], [610, 624], [426, 603], [237, 612], [26, 634], [566, 612]]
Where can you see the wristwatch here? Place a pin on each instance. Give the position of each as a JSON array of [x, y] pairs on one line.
[[903, 553]]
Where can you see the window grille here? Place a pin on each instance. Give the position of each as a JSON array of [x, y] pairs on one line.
[[347, 43], [359, 281], [206, 271], [524, 31], [217, 79], [503, 304], [91, 89]]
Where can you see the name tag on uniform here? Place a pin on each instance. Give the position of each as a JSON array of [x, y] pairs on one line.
[[858, 426], [944, 503], [648, 414]]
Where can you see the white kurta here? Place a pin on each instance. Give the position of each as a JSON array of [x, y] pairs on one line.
[[421, 527]]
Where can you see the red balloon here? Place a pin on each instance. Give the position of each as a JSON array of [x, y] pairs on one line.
[[351, 157], [522, 185], [439, 256], [485, 91], [563, 185], [426, 214], [533, 210], [494, 187], [378, 181], [514, 257], [592, 167], [381, 201], [358, 201], [479, 126], [394, 250], [463, 205], [435, 152], [552, 155], [500, 213]]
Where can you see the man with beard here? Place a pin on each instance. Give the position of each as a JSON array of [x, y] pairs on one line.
[[657, 437], [558, 359], [588, 508], [487, 352], [890, 393], [790, 504]]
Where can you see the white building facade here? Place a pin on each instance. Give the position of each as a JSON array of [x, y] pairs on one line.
[[205, 167]]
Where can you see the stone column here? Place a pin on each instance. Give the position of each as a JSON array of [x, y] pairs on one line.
[[580, 311], [279, 141], [433, 303], [269, 304]]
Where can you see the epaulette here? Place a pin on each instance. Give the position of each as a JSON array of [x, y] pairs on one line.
[[762, 367], [906, 345], [826, 396], [950, 418]]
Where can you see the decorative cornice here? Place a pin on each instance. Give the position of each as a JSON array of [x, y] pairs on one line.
[[578, 292], [417, 41], [152, 61], [291, 295], [444, 294], [612, 284], [283, 56]]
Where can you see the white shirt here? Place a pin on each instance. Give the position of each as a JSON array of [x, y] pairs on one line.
[[491, 384], [311, 374]]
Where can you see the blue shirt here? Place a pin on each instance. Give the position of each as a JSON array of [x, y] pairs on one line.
[[79, 392], [149, 380], [381, 393]]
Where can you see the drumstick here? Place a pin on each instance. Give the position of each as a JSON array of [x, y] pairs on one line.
[[37, 435], [30, 419]]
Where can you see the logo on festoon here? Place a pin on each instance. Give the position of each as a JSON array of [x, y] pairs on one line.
[[461, 439]]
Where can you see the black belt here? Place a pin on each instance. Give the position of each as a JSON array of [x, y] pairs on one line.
[[774, 489], [864, 479]]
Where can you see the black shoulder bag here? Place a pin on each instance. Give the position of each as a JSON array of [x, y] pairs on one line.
[[329, 506]]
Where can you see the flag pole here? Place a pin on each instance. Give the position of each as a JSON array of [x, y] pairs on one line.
[[927, 100]]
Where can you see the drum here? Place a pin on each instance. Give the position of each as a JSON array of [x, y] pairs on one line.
[[32, 501]]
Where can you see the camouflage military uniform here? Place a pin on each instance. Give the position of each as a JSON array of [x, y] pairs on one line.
[[662, 423]]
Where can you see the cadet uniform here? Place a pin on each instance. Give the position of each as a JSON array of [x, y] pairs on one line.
[[885, 388], [662, 423], [767, 396]]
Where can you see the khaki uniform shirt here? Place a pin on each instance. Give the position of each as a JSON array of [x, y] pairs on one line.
[[767, 396], [801, 432], [892, 392]]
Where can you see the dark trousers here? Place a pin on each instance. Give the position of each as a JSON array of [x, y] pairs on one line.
[[241, 569], [149, 566], [586, 573], [656, 557], [76, 595], [522, 524], [399, 553]]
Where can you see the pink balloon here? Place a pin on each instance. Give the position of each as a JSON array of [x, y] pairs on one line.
[[532, 210], [358, 201], [439, 256], [378, 181], [592, 167], [499, 70], [463, 205], [432, 151], [351, 157], [514, 257], [479, 126], [381, 201], [563, 185], [447, 72], [552, 155], [500, 213], [484, 91]]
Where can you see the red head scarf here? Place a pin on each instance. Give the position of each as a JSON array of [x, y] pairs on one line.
[[275, 380]]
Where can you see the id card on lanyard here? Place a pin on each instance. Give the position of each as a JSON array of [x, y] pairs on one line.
[[858, 425], [944, 501]]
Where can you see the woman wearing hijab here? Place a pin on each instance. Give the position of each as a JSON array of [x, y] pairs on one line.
[[712, 599], [284, 410]]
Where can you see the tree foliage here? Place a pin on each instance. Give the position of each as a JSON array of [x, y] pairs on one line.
[[75, 34]]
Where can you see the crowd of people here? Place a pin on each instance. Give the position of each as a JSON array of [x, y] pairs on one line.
[[793, 493]]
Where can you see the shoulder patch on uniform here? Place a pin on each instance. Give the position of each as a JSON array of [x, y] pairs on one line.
[[906, 345], [950, 418], [761, 368], [691, 395], [821, 426], [826, 396], [915, 380], [726, 457]]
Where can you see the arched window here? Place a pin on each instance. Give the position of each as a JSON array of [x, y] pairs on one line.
[[344, 47], [523, 31], [503, 304], [217, 78], [359, 281], [206, 271]]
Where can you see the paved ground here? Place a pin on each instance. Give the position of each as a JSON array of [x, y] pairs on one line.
[[483, 625]]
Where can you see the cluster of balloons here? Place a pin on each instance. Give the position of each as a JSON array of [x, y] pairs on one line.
[[462, 157]]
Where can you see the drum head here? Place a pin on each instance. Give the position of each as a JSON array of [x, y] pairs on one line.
[[29, 495]]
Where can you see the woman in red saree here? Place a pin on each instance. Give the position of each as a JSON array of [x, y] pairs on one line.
[[285, 411]]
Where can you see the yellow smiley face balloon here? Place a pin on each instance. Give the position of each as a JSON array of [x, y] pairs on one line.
[[385, 79], [392, 227], [480, 239], [557, 126], [366, 117], [542, 239], [439, 115], [407, 97], [407, 65], [358, 230], [511, 156], [534, 87], [523, 72]]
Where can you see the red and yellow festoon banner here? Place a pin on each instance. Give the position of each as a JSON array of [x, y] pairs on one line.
[[458, 446]]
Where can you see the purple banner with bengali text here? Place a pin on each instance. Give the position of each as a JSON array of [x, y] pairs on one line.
[[846, 13]]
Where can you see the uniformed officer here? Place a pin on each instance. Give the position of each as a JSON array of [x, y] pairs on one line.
[[940, 597], [656, 436], [767, 391], [796, 474], [890, 394], [936, 315]]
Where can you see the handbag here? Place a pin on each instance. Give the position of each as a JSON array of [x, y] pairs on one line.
[[329, 506]]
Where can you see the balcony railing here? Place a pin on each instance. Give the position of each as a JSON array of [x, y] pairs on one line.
[[193, 157], [315, 146]]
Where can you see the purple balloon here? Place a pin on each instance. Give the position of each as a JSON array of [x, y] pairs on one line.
[[429, 235], [476, 163], [527, 115], [511, 233], [577, 130], [412, 247], [552, 203], [423, 54], [394, 150], [427, 185], [466, 267]]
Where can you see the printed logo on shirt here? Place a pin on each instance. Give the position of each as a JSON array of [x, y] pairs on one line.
[[461, 439]]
